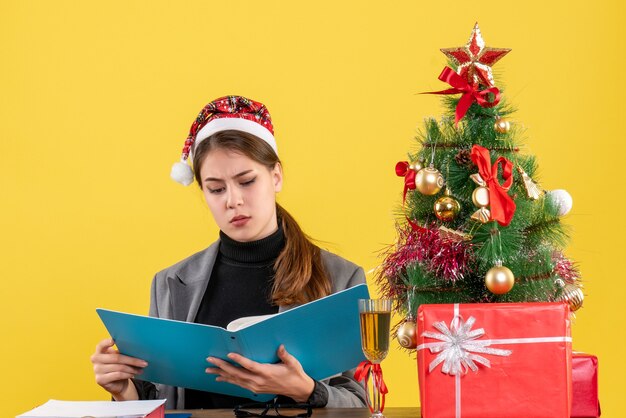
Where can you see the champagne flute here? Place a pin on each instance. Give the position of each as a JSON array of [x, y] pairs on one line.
[[375, 316]]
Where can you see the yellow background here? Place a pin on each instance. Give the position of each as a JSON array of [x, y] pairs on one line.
[[96, 99]]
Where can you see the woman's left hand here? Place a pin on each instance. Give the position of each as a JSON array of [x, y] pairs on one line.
[[285, 378]]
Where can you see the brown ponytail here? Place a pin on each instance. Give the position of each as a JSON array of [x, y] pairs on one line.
[[300, 275]]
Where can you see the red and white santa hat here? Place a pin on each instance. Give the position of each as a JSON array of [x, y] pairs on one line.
[[225, 113]]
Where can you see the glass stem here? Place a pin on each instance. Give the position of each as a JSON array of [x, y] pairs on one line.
[[377, 407], [375, 395]]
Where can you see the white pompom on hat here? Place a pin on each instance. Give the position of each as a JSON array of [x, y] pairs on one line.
[[226, 113]]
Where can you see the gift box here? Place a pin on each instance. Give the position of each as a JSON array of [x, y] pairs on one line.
[[494, 360], [585, 402]]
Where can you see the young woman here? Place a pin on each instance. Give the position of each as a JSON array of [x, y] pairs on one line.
[[262, 264]]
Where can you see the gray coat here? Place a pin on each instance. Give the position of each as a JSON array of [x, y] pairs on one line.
[[177, 291]]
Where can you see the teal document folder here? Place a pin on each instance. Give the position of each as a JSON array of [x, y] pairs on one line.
[[324, 335]]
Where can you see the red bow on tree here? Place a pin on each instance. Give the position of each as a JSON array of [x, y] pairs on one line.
[[361, 373], [501, 206], [470, 92], [403, 170]]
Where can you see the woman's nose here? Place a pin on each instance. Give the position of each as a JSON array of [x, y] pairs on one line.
[[234, 198]]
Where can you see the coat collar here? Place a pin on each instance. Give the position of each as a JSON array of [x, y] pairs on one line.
[[189, 283]]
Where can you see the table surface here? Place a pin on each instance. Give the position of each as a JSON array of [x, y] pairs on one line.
[[317, 413]]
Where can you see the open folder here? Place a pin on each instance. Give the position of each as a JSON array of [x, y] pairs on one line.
[[323, 335]]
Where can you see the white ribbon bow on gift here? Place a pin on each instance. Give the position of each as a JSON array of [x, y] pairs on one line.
[[458, 343]]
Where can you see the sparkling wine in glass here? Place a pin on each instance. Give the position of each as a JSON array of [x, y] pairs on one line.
[[375, 317]]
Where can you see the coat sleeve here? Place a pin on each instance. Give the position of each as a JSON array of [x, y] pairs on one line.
[[148, 390], [342, 391], [145, 390]]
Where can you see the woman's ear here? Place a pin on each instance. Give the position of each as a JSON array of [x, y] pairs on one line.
[[277, 176]]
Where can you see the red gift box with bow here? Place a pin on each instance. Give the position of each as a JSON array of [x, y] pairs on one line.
[[495, 360], [585, 402]]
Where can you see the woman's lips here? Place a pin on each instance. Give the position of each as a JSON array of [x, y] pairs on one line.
[[239, 220]]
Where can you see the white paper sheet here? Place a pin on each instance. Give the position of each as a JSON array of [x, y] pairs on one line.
[[95, 409]]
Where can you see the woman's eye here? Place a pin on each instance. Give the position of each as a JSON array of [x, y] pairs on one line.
[[249, 182], [218, 190]]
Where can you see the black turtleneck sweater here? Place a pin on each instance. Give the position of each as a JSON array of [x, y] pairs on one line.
[[240, 285]]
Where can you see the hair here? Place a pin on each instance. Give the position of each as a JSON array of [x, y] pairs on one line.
[[299, 274]]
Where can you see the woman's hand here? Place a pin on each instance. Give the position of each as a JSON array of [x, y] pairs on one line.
[[114, 370], [285, 378]]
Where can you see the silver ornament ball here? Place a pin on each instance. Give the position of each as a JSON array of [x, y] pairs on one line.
[[562, 200]]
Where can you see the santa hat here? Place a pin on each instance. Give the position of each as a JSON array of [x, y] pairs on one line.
[[225, 113]]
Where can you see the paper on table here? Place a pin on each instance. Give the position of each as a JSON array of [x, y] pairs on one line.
[[95, 409]]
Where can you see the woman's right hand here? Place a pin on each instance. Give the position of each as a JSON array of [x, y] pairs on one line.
[[114, 370]]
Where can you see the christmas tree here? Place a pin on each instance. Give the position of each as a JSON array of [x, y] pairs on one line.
[[476, 226]]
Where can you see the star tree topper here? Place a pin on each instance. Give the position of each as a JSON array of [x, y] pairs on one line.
[[474, 60]]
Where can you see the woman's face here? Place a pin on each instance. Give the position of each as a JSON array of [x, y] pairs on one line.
[[241, 194]]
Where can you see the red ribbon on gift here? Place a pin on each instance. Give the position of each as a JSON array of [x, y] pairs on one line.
[[501, 206], [470, 92], [361, 374]]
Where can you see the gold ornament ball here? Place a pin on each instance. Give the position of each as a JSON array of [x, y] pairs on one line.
[[502, 126], [499, 280], [446, 208], [573, 295], [428, 181], [480, 197], [415, 166], [407, 335]]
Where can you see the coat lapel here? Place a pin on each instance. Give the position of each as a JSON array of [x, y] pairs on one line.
[[187, 287]]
